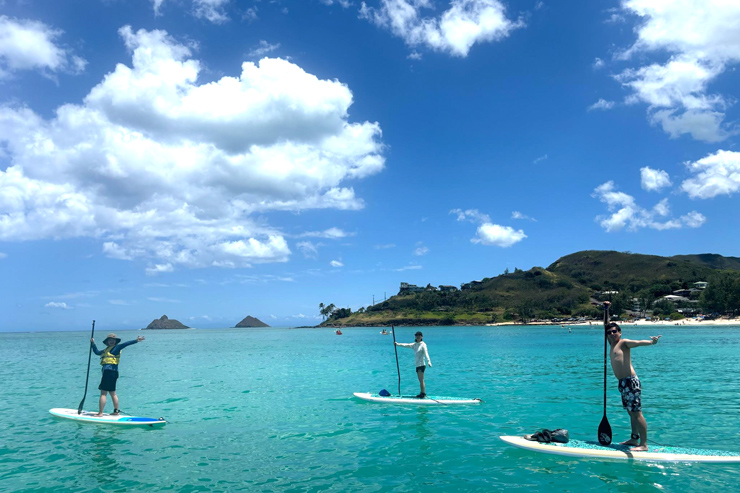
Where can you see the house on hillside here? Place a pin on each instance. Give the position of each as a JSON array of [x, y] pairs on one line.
[[692, 293], [407, 288], [447, 289], [674, 298], [471, 285], [701, 285]]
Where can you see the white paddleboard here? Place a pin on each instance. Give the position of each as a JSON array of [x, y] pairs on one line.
[[430, 400], [594, 450], [107, 419]]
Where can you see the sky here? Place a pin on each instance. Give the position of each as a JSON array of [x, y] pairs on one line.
[[213, 159]]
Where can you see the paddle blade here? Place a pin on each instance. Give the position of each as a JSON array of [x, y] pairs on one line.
[[82, 403], [605, 431]]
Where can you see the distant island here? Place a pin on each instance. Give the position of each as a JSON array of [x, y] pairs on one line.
[[165, 323], [250, 321]]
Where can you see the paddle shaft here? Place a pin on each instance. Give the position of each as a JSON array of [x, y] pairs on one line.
[[604, 432], [606, 321], [393, 330], [87, 375]]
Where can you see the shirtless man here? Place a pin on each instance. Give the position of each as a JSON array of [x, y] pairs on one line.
[[629, 384]]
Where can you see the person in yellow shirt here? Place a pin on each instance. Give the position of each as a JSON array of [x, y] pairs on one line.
[[110, 356]]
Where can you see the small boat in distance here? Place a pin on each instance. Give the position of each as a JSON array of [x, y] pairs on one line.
[[339, 332], [384, 332]]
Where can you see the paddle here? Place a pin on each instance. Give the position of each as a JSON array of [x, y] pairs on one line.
[[87, 377], [397, 368], [605, 430]]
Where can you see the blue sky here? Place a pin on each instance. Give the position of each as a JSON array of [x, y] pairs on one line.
[[212, 159]]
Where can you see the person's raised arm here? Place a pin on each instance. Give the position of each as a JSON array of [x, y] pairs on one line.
[[119, 347], [606, 313], [653, 340], [404, 344]]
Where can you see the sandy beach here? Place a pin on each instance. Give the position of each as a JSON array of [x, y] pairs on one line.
[[687, 322]]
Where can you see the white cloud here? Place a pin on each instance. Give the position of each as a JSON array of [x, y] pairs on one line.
[[693, 219], [157, 4], [3, 255], [164, 300], [598, 63], [626, 214], [471, 215], [408, 267], [160, 167], [158, 269], [250, 15], [653, 179], [497, 235], [489, 233], [336, 263], [213, 10], [308, 249], [540, 159], [454, 31], [343, 3], [331, 233], [385, 247], [30, 45], [601, 104], [715, 174], [519, 215], [414, 55], [701, 40], [422, 250], [60, 305], [263, 49]]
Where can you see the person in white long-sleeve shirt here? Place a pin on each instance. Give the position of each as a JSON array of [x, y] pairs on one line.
[[420, 352]]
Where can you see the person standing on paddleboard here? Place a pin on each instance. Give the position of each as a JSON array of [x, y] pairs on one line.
[[629, 384], [109, 359], [420, 352]]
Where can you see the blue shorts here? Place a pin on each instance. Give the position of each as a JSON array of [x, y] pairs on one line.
[[420, 369]]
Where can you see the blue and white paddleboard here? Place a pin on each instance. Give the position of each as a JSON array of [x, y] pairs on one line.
[[107, 419], [594, 450], [430, 400]]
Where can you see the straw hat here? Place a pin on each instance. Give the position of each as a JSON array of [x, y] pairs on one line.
[[111, 336]]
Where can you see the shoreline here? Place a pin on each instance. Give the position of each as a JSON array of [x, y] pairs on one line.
[[687, 322]]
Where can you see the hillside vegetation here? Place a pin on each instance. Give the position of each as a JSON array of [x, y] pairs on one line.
[[570, 287]]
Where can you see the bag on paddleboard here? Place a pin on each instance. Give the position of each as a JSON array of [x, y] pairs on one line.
[[546, 436], [384, 393]]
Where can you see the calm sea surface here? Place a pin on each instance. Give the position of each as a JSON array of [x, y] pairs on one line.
[[272, 410]]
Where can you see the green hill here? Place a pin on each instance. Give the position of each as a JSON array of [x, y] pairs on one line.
[[570, 287]]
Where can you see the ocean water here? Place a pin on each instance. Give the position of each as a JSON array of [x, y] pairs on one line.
[[272, 410]]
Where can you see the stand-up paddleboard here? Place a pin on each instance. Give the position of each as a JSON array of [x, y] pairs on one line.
[[430, 400], [593, 450], [107, 419]]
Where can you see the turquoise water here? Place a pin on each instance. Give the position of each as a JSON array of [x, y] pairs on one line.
[[272, 410]]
